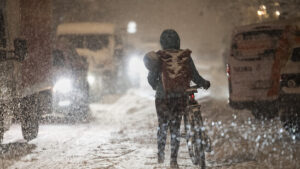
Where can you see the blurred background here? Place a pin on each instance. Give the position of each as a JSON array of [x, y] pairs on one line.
[[205, 26], [69, 61]]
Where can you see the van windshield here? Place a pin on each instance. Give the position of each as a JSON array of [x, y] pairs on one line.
[[255, 45], [91, 42]]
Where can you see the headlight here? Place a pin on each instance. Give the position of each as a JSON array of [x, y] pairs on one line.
[[91, 79], [136, 67], [63, 86], [64, 103], [136, 71]]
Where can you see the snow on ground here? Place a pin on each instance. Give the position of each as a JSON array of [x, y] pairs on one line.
[[123, 135]]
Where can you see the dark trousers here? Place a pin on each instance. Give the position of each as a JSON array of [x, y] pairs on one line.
[[169, 113]]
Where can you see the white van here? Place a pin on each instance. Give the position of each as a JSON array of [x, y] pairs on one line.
[[99, 44], [264, 69]]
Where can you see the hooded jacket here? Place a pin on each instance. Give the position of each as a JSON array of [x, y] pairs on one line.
[[169, 40]]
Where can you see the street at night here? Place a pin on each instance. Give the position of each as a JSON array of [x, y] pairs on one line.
[[132, 84]]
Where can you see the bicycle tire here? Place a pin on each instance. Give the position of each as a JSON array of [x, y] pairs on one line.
[[194, 141], [202, 139], [201, 156]]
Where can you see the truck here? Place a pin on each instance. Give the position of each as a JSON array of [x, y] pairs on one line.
[[40, 75], [102, 47], [264, 71]]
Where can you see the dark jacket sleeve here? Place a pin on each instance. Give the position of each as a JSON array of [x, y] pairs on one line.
[[153, 78], [196, 78]]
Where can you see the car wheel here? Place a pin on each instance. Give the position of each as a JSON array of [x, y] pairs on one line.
[[29, 118]]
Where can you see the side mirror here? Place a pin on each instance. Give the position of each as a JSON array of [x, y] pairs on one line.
[[20, 48]]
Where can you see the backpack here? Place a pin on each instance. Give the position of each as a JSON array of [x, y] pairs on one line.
[[152, 62], [176, 73]]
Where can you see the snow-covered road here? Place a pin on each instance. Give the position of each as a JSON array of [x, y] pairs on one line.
[[123, 135]]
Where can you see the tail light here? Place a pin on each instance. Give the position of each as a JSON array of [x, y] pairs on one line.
[[192, 96], [228, 76], [228, 70]]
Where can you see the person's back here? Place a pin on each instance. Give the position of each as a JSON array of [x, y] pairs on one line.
[[170, 72], [175, 70]]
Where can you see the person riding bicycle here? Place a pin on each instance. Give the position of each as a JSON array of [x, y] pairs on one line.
[[170, 72]]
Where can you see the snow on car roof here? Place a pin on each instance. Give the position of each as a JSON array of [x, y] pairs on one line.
[[85, 28]]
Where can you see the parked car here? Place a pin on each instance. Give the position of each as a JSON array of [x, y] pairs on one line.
[[39, 75]]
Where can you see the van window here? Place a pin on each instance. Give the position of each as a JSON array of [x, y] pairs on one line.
[[256, 35], [296, 55], [2, 30], [91, 42], [96, 42], [255, 45], [75, 40]]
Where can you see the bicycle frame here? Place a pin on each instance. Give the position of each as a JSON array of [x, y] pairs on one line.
[[195, 135]]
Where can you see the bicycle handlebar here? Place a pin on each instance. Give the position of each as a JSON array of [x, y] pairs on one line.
[[192, 89], [196, 86]]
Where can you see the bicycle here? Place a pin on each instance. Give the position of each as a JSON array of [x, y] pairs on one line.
[[197, 140]]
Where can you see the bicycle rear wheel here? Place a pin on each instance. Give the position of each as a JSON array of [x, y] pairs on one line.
[[194, 141]]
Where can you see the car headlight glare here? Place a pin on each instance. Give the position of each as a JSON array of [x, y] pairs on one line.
[[63, 86], [64, 103], [91, 79]]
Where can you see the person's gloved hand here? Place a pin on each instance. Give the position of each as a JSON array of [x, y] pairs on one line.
[[206, 85]]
